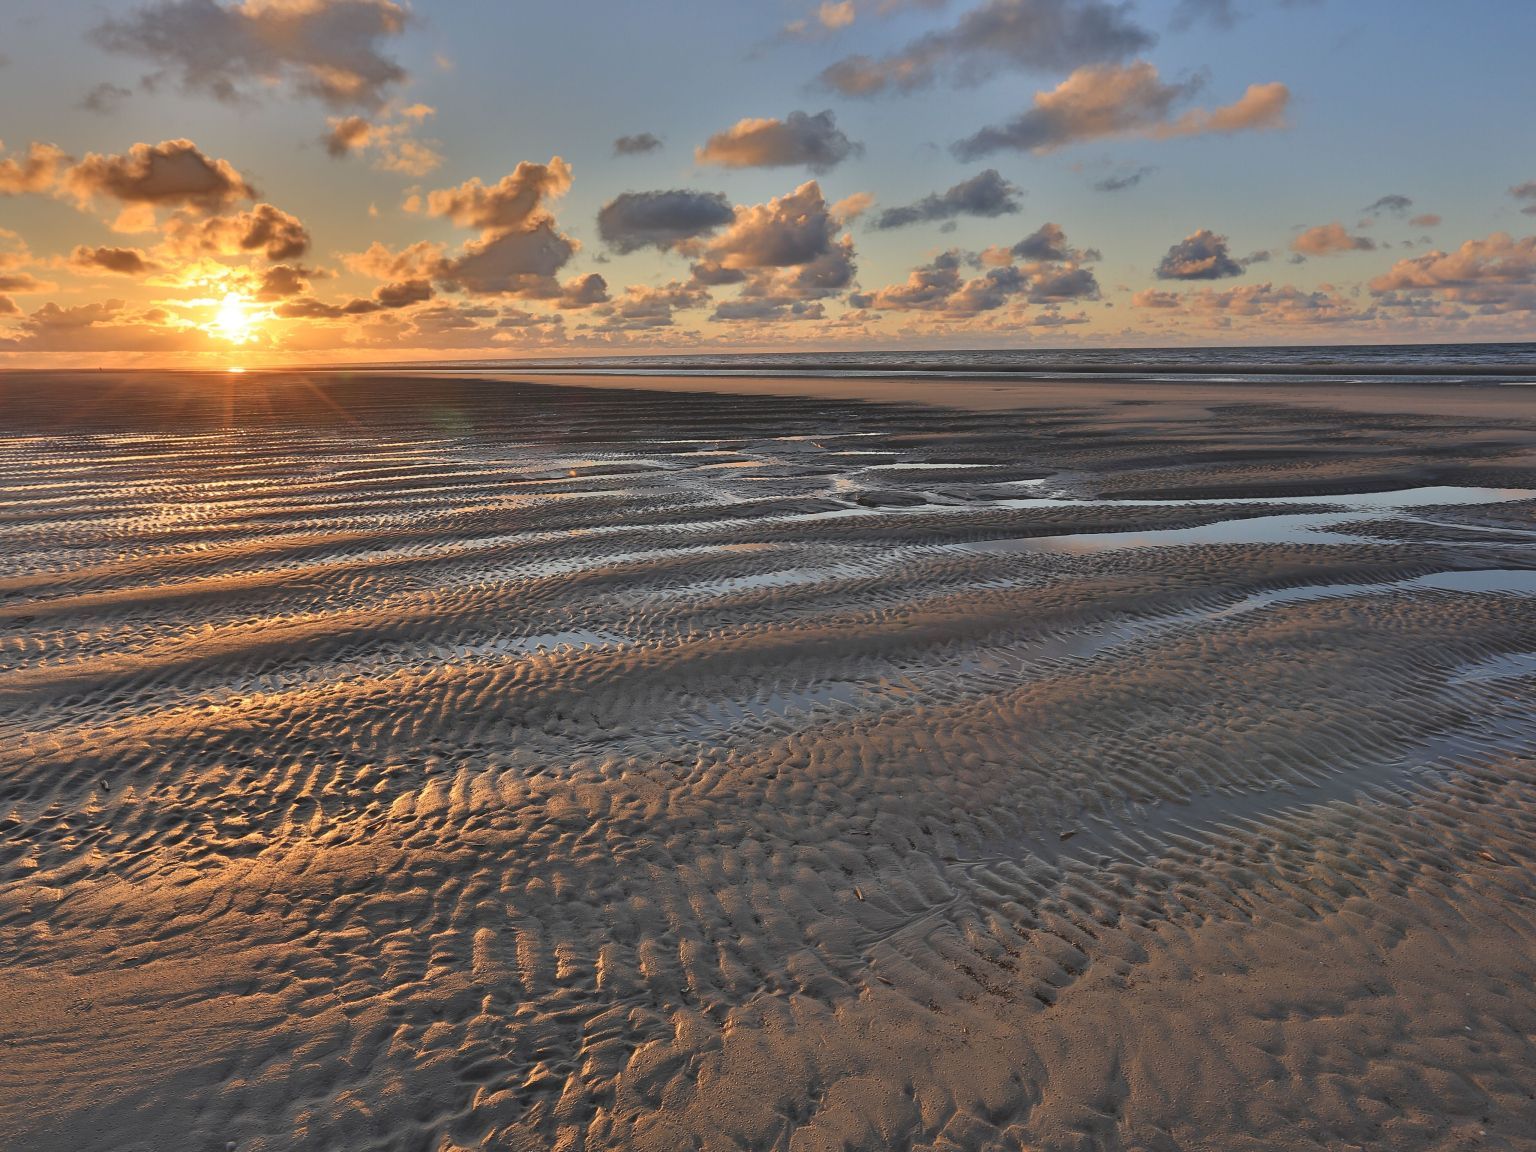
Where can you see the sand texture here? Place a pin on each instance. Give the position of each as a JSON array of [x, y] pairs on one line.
[[442, 764]]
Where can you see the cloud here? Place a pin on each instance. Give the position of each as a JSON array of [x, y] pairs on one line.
[[985, 194], [784, 251], [9, 307], [661, 220], [1496, 274], [172, 173], [331, 50], [1427, 220], [1527, 193], [412, 262], [282, 280], [1329, 240], [35, 172], [1100, 102], [1263, 304], [1043, 35], [1188, 13], [123, 261], [521, 263], [390, 141], [1201, 255], [105, 326], [104, 98], [1393, 203], [643, 308], [637, 145], [799, 140], [264, 230], [515, 201], [852, 206], [23, 282], [1050, 272], [1121, 183]]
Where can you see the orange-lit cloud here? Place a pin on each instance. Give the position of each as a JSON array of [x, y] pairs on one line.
[[1329, 240], [800, 140], [1105, 101]]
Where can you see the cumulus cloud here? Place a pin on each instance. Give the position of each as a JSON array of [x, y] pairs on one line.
[[781, 252], [799, 140], [1495, 274], [389, 140], [1527, 193], [521, 263], [1202, 255], [637, 145], [282, 280], [332, 50], [1099, 102], [172, 174], [1050, 272], [1329, 240], [264, 230], [518, 200], [412, 262], [985, 194], [123, 261], [36, 171], [644, 308], [662, 219], [1122, 182], [1045, 35]]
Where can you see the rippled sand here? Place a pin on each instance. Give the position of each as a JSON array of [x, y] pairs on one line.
[[450, 764]]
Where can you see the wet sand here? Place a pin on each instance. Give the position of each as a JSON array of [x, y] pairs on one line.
[[451, 763]]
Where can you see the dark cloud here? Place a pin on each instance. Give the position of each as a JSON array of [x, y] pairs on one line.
[[636, 145], [1121, 183], [104, 98], [172, 173], [332, 50], [662, 219], [763, 310], [1392, 203], [23, 282], [264, 230], [1099, 102], [522, 263], [1043, 35], [9, 307], [1525, 192], [644, 308], [35, 172], [1329, 239], [799, 140], [1050, 272], [985, 194], [123, 261], [404, 293], [283, 280], [583, 291], [1202, 255]]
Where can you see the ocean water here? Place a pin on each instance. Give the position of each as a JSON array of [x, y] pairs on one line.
[[1513, 364]]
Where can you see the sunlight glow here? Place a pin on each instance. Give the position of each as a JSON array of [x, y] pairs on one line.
[[233, 320]]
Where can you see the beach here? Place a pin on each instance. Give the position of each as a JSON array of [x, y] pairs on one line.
[[499, 760]]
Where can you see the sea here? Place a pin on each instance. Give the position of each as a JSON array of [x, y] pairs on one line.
[[1510, 364]]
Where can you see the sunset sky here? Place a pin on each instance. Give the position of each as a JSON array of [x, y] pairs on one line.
[[215, 182]]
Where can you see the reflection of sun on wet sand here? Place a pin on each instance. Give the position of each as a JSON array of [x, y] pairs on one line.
[[456, 764]]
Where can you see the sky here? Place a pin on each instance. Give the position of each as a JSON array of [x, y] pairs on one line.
[[263, 182]]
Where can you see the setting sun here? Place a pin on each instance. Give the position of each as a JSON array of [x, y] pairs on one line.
[[233, 321]]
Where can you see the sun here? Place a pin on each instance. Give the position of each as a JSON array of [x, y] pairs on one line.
[[233, 321]]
